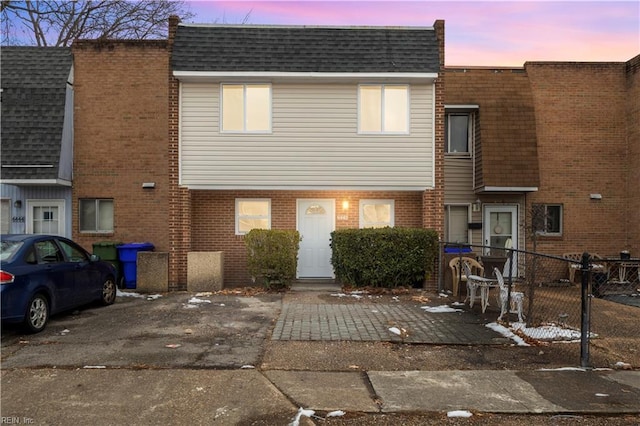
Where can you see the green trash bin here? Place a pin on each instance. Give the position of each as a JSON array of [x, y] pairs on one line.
[[108, 252]]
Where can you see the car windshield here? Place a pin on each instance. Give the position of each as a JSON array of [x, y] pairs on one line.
[[9, 248]]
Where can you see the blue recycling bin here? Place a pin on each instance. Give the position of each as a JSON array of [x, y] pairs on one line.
[[128, 255]]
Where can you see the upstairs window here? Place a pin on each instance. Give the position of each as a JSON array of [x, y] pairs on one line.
[[548, 219], [383, 108], [246, 108], [458, 132]]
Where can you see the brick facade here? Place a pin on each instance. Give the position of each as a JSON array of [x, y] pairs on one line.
[[213, 223], [121, 137], [585, 123]]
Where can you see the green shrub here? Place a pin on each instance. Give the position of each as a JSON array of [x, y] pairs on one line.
[[383, 257], [272, 256]]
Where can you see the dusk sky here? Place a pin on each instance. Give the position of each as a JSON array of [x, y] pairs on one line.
[[477, 33]]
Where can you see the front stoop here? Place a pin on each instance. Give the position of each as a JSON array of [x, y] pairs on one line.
[[316, 284]]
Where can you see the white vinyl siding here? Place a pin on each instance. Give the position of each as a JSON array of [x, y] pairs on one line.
[[314, 142]]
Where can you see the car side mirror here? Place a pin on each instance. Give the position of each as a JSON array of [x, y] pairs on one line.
[[94, 258]]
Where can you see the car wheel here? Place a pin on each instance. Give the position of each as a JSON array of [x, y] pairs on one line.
[[108, 291], [37, 314]]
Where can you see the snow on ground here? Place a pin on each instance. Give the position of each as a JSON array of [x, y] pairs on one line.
[[439, 309], [121, 293]]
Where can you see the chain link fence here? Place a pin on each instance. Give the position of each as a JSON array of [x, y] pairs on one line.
[[548, 292]]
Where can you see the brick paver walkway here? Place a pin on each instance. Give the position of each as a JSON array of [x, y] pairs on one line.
[[371, 322]]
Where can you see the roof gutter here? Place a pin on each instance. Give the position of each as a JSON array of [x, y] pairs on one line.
[[37, 182], [315, 76]]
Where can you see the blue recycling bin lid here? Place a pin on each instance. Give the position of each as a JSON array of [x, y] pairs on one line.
[[129, 252], [453, 249]]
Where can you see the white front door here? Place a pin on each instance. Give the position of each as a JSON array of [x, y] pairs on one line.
[[45, 217], [500, 228], [316, 221]]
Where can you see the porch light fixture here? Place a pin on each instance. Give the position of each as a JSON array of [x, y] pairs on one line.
[[17, 204], [345, 205], [476, 205]]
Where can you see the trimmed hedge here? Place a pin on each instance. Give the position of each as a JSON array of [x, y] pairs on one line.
[[383, 257], [272, 256]]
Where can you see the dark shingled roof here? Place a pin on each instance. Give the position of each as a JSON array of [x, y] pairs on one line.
[[222, 48], [33, 81]]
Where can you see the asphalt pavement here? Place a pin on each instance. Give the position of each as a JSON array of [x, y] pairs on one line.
[[197, 359]]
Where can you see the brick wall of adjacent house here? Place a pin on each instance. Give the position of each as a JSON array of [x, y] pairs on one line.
[[213, 219], [582, 130], [180, 229], [633, 121], [121, 137]]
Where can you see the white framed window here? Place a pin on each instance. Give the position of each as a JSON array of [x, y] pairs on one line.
[[549, 219], [457, 223], [252, 213], [245, 108], [96, 215], [383, 108], [376, 213]]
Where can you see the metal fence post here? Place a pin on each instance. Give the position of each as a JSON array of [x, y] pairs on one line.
[[585, 311]]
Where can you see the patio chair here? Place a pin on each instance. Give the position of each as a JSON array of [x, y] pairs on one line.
[[576, 264], [473, 283], [517, 298], [459, 275]]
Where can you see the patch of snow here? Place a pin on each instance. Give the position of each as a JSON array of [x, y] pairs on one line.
[[121, 293], [443, 295], [563, 369], [247, 367], [301, 412], [100, 367], [549, 332], [195, 300], [355, 295], [602, 394], [459, 413], [506, 333], [395, 330], [337, 413], [189, 306], [440, 309]]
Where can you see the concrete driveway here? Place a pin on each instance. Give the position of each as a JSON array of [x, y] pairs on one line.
[[177, 330]]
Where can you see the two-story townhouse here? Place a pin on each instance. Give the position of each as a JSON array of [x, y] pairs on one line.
[[307, 128], [37, 140], [491, 158], [560, 140]]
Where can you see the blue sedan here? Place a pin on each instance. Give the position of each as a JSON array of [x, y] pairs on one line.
[[41, 275]]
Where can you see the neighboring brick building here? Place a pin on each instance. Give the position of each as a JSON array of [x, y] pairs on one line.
[[550, 134], [121, 142]]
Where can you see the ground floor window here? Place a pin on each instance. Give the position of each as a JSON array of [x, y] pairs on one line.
[[376, 213], [548, 219], [457, 224], [96, 215], [252, 214]]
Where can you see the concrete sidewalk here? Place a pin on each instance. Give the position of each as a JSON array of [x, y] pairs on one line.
[[248, 396], [182, 362]]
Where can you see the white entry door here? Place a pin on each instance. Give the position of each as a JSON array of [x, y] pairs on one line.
[[45, 217], [500, 228], [316, 221]]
